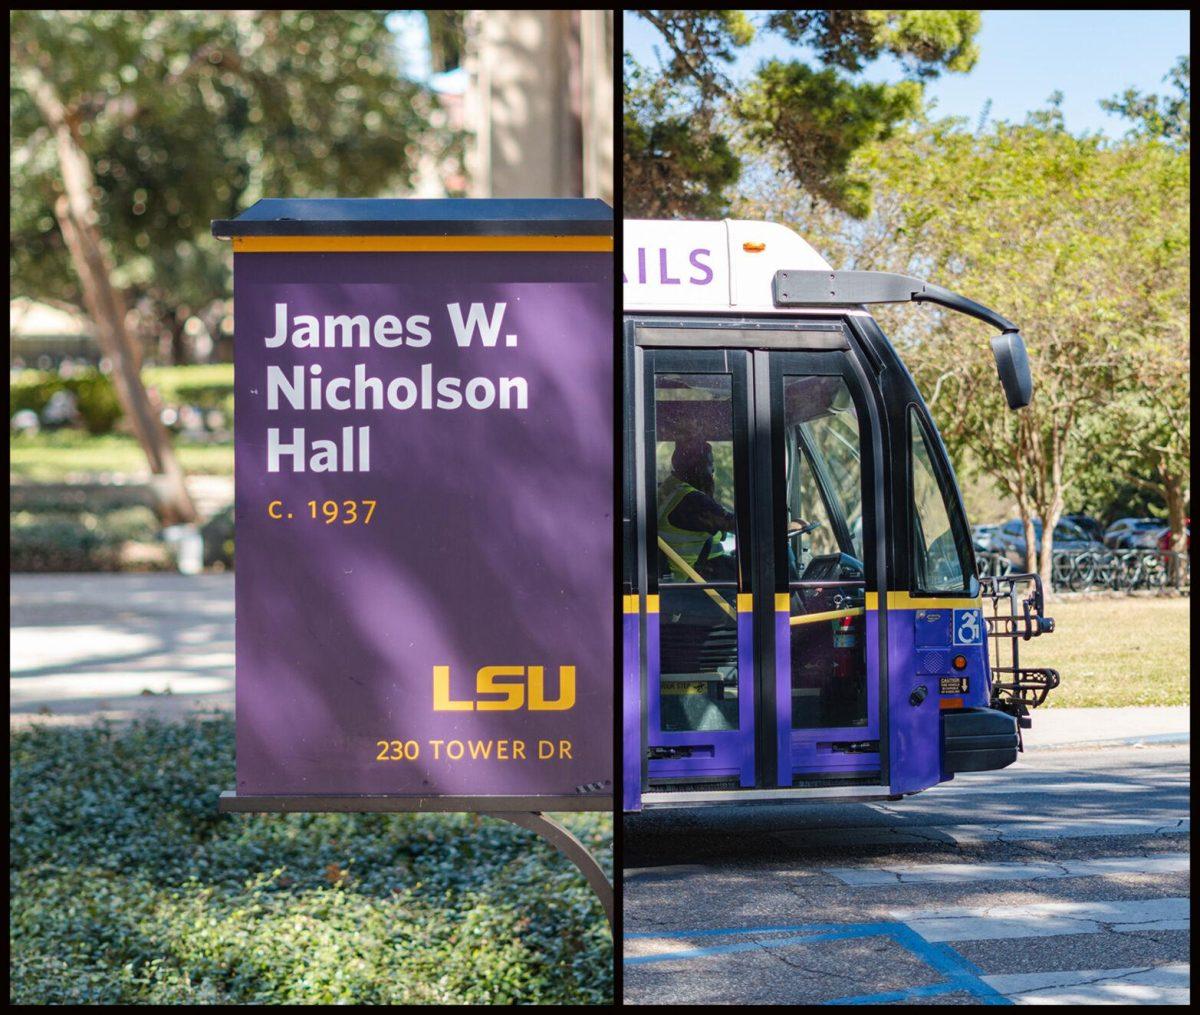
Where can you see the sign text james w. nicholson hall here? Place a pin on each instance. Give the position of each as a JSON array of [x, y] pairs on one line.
[[424, 475]]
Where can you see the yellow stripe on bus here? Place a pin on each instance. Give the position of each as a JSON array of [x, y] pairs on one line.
[[420, 244], [905, 601]]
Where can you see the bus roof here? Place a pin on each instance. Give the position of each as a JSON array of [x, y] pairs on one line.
[[710, 266]]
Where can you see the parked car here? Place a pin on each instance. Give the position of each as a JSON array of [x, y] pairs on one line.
[[982, 536], [1092, 527], [1133, 534], [1010, 539], [1164, 541]]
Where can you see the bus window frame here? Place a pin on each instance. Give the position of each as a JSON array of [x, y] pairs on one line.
[[943, 473], [738, 372]]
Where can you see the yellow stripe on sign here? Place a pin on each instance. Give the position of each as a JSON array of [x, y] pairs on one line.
[[812, 618], [420, 244], [652, 604], [745, 602], [631, 604]]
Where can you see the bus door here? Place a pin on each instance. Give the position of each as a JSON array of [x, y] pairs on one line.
[[695, 526], [820, 436]]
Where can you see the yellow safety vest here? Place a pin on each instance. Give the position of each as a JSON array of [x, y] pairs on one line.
[[688, 543]]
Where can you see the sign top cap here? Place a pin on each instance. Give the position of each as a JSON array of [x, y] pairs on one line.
[[450, 216]]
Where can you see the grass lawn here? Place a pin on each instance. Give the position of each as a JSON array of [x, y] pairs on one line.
[[65, 454], [127, 886], [1111, 652]]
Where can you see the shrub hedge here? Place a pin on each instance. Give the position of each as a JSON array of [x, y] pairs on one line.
[[208, 387], [86, 540], [94, 394], [127, 887]]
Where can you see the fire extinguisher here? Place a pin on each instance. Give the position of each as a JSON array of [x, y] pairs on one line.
[[845, 641]]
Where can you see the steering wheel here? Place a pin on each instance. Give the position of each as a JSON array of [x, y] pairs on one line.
[[804, 529]]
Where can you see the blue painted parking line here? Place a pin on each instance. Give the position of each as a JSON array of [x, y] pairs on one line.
[[960, 975]]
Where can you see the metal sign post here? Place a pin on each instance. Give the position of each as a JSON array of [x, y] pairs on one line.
[[424, 485]]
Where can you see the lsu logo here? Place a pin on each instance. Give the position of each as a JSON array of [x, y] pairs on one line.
[[510, 683]]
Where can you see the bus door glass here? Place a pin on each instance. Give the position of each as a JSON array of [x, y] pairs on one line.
[[826, 686], [699, 687]]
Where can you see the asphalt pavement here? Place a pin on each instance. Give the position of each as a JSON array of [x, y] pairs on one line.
[[1060, 880]]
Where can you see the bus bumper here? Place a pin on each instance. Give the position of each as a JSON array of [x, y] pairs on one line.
[[978, 740]]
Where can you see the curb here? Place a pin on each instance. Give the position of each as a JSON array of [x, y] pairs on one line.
[[1147, 739]]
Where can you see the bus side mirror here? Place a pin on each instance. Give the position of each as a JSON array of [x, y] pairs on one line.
[[1012, 364]]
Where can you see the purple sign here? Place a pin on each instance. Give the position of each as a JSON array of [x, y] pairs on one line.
[[424, 468]]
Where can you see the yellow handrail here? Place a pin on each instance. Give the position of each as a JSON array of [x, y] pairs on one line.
[[695, 576], [812, 618]]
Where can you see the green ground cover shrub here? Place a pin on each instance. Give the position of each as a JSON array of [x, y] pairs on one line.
[[127, 886]]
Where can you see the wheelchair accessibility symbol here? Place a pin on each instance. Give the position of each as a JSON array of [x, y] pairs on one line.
[[968, 627]]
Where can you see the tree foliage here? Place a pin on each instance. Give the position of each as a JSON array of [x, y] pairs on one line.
[[1168, 117], [191, 116], [1084, 243], [673, 167], [685, 120]]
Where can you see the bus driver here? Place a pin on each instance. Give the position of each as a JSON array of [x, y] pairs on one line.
[[690, 519]]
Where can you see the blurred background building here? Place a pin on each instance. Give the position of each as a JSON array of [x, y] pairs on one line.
[[538, 103], [532, 93]]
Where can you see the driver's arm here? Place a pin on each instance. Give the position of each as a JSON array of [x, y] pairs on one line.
[[698, 512]]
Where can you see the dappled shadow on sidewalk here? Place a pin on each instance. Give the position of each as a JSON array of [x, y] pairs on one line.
[[118, 646]]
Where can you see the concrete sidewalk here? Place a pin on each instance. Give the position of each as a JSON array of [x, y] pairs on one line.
[[125, 645], [1109, 727], [120, 646]]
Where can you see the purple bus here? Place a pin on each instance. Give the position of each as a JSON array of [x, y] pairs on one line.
[[802, 613]]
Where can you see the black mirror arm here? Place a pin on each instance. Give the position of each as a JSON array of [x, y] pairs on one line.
[[930, 293]]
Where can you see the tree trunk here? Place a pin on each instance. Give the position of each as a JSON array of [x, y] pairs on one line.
[[1022, 494], [1177, 518], [76, 219], [1051, 513], [1046, 556]]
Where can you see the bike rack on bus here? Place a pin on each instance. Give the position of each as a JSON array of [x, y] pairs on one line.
[[1016, 688]]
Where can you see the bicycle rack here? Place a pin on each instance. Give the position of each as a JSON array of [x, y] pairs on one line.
[[1015, 688]]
